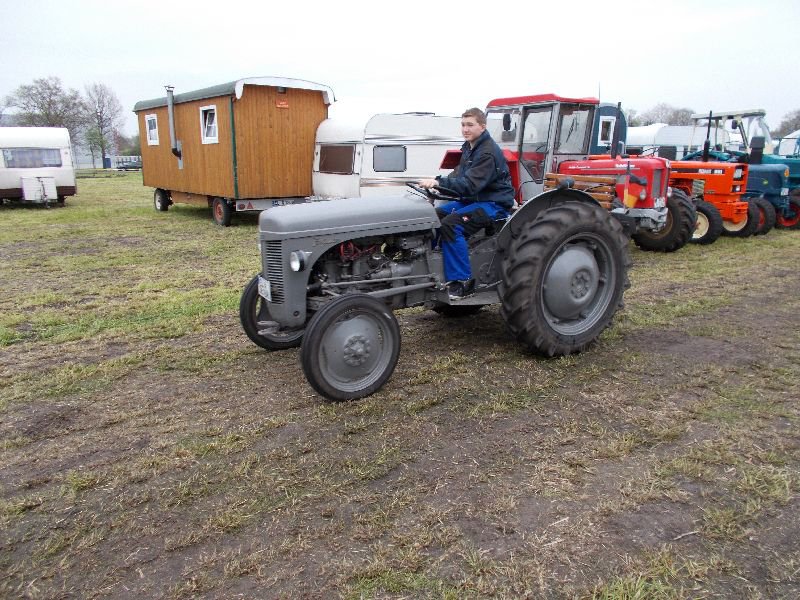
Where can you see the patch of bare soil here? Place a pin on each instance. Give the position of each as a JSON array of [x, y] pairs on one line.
[[660, 456]]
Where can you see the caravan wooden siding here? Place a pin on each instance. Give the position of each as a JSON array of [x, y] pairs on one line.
[[207, 168], [275, 140]]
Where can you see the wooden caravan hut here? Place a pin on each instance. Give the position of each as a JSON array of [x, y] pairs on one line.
[[243, 145]]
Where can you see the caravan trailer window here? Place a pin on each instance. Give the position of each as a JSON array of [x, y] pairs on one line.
[[389, 158], [31, 158], [208, 124], [151, 122], [336, 158]]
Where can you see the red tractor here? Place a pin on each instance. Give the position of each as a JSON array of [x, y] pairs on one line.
[[547, 141]]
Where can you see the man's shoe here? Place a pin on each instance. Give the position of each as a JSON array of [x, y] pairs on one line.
[[459, 289]]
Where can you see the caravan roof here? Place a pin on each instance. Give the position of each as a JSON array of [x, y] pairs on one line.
[[237, 88], [726, 114], [385, 128], [34, 137]]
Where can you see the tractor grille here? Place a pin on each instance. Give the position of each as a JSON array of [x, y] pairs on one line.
[[273, 270]]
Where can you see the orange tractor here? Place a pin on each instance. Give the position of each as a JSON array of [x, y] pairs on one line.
[[718, 189]]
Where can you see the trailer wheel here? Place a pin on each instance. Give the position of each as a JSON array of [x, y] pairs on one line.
[[161, 200], [789, 218], [709, 223], [221, 212], [744, 228], [350, 347], [254, 309], [563, 278], [676, 233], [766, 215]]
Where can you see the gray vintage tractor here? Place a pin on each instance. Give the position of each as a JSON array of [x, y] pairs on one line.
[[333, 271]]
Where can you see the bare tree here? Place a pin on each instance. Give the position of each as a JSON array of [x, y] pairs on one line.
[[104, 115], [45, 103], [666, 113], [790, 123]]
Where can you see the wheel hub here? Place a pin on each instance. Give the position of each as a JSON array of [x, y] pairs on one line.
[[356, 350], [572, 282]]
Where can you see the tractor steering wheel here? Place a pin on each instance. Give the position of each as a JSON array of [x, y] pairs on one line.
[[434, 193]]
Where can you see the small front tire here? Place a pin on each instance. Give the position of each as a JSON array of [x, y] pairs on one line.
[[709, 223], [350, 347], [676, 233], [744, 228], [254, 309], [766, 215]]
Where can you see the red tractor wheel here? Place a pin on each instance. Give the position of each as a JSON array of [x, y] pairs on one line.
[[790, 218]]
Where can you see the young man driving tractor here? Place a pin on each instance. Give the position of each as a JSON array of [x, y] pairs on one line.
[[482, 183]]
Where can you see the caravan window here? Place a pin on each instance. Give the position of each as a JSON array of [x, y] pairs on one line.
[[151, 121], [208, 124], [31, 158], [606, 130], [389, 158], [336, 158]]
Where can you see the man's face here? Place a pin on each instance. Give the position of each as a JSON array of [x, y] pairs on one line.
[[471, 129]]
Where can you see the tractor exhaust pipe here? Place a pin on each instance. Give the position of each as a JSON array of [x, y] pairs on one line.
[[707, 143], [174, 144], [615, 137]]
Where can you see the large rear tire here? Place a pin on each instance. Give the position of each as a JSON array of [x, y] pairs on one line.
[[744, 228], [563, 278], [766, 215], [676, 233], [254, 309], [709, 223], [350, 347], [790, 219]]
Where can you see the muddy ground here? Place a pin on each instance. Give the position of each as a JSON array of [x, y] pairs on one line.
[[661, 463]]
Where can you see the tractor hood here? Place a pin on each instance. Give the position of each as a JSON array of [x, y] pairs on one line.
[[353, 217]]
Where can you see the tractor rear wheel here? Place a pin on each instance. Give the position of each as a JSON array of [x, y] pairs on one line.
[[563, 278], [766, 215], [350, 347], [253, 310], [790, 219], [744, 228], [709, 223], [676, 233]]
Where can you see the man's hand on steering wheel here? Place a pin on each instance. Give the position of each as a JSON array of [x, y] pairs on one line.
[[434, 191]]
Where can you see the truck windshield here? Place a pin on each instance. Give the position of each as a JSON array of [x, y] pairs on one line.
[[573, 130]]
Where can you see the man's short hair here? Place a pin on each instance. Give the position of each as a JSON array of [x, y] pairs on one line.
[[477, 114]]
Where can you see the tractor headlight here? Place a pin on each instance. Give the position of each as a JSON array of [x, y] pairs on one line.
[[738, 172], [643, 195], [298, 260]]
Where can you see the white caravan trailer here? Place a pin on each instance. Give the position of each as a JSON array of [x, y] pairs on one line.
[[378, 158], [36, 164]]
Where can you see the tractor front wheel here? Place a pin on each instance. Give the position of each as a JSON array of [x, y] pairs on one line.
[[709, 223], [254, 317], [676, 233], [766, 215], [789, 218], [351, 347], [563, 278], [744, 228]]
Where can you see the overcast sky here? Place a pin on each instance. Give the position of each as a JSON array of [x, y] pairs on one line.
[[419, 55]]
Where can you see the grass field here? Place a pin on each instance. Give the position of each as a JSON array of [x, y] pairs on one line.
[[149, 450]]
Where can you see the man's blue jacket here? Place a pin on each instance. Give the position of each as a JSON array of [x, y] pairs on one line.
[[482, 174]]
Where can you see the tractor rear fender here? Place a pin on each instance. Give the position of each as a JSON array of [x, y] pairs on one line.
[[528, 212]]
